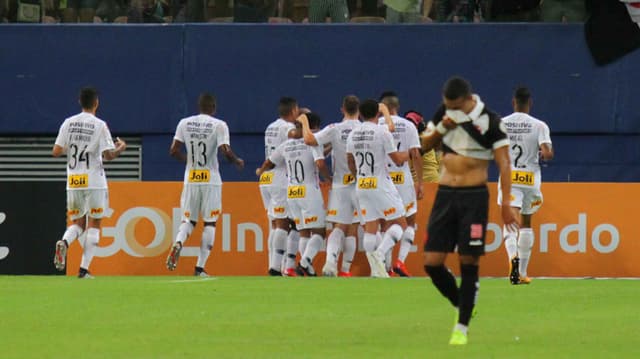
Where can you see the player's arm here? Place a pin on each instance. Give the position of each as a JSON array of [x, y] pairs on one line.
[[546, 151], [176, 150], [324, 170], [231, 157], [399, 157], [307, 135], [503, 162], [266, 166], [57, 151], [120, 146], [351, 161], [384, 110], [416, 161]]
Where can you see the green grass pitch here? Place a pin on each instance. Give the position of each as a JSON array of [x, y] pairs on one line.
[[262, 317]]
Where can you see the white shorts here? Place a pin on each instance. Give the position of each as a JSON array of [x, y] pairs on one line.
[[343, 206], [308, 212], [528, 199], [381, 203], [201, 200], [409, 200], [81, 202], [274, 199]]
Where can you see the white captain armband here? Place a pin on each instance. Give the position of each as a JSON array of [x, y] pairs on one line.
[[441, 129]]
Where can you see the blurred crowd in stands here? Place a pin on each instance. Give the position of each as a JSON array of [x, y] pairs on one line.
[[287, 11]]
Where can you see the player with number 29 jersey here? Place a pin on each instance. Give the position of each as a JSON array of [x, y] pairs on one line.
[[370, 145]]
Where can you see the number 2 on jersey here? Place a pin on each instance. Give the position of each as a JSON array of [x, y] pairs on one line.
[[201, 156], [518, 148]]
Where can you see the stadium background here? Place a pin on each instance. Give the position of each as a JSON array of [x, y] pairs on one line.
[[149, 77]]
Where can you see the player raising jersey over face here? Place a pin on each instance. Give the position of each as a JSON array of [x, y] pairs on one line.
[[405, 136], [202, 135], [529, 139], [368, 147], [304, 198], [273, 184], [471, 135], [86, 140], [342, 210]]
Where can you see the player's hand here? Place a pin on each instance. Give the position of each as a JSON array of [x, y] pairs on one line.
[[383, 109], [510, 219], [419, 191], [258, 172], [120, 144], [448, 122], [239, 163]]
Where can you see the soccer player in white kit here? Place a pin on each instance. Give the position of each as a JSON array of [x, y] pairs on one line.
[[406, 139], [529, 139], [273, 188], [304, 197], [202, 135], [368, 147], [86, 140], [342, 210]]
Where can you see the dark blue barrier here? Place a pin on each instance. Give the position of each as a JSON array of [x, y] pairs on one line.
[[149, 76]]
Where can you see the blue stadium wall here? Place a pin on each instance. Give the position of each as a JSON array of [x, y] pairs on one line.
[[149, 77]]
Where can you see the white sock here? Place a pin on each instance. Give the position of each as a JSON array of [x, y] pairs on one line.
[[72, 233], [208, 236], [461, 327], [292, 249], [184, 231], [525, 243], [314, 245], [270, 248], [279, 245], [391, 237], [334, 242], [302, 246], [510, 242], [90, 245], [379, 236], [369, 242], [408, 237], [348, 252]]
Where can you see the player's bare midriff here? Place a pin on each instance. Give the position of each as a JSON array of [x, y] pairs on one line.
[[460, 171]]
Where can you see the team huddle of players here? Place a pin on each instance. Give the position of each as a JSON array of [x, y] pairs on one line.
[[371, 184], [371, 151]]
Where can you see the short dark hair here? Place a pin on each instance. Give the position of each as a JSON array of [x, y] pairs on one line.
[[286, 105], [207, 103], [88, 97], [350, 104], [314, 120], [387, 94], [455, 88], [369, 109], [522, 95]]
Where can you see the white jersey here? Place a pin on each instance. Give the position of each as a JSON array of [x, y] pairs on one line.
[[405, 137], [336, 134], [370, 145], [526, 134], [202, 135], [85, 137], [276, 133], [299, 160]]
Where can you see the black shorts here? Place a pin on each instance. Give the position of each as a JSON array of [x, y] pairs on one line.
[[458, 218]]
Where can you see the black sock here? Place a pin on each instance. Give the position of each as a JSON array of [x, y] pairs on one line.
[[468, 292], [199, 269], [444, 281]]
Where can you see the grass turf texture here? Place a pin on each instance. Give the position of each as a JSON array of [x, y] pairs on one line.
[[262, 317]]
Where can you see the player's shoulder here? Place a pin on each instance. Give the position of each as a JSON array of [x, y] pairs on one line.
[[275, 123]]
